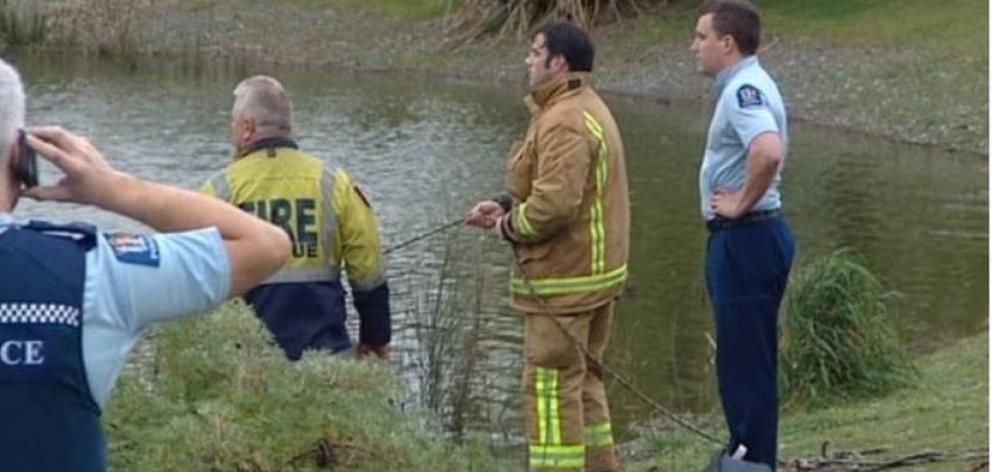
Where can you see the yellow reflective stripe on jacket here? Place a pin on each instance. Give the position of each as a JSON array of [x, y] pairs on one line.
[[554, 286], [597, 227], [600, 434], [557, 456], [525, 227], [548, 405]]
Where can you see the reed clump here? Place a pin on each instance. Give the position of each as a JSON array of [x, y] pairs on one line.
[[839, 341], [21, 24], [107, 27]]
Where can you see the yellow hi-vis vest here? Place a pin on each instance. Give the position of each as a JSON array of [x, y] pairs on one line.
[[331, 224]]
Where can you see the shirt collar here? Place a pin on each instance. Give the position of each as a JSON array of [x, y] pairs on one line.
[[723, 78], [270, 143]]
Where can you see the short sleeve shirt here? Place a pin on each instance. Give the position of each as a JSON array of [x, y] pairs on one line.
[[748, 104], [136, 280]]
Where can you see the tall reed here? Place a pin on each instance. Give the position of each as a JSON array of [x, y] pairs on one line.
[[21, 24], [107, 27], [839, 341]]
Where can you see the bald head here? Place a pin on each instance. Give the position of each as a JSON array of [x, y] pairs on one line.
[[11, 111], [263, 101]]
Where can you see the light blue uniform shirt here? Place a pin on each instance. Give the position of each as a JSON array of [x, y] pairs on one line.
[[122, 299], [748, 104]]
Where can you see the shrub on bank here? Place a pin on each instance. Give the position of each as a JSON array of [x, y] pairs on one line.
[[838, 339], [212, 393], [20, 25]]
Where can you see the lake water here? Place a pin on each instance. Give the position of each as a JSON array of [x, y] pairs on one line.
[[426, 150]]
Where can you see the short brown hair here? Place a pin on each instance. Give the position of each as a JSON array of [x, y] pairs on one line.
[[738, 18], [571, 42]]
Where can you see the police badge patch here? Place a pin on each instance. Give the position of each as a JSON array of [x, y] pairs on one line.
[[748, 96], [134, 248]]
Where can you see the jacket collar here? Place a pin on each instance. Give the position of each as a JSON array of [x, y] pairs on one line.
[[271, 144], [546, 94], [723, 78]]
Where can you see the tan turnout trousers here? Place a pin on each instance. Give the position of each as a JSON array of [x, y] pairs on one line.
[[568, 419]]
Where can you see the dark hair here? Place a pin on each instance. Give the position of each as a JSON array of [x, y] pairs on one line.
[[569, 41], [739, 19]]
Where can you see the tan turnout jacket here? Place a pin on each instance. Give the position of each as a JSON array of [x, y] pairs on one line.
[[570, 219]]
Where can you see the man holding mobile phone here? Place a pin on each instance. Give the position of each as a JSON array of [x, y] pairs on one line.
[[26, 167], [74, 301]]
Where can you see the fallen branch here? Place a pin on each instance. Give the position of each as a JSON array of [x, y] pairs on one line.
[[855, 460]]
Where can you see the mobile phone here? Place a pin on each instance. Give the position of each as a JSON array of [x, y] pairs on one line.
[[26, 166]]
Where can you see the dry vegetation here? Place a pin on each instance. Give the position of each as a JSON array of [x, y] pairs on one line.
[[516, 18]]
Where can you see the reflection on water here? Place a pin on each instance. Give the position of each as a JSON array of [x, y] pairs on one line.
[[426, 150]]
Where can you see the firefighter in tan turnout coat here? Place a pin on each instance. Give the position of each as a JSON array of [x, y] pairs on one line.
[[567, 217]]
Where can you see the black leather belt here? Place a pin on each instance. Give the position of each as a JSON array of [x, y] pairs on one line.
[[721, 223]]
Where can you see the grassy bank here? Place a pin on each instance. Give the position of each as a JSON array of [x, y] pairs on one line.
[[947, 410], [212, 393]]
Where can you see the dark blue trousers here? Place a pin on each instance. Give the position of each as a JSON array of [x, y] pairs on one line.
[[747, 268]]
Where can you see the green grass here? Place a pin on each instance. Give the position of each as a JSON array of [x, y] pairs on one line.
[[950, 25], [957, 27], [217, 395], [946, 410]]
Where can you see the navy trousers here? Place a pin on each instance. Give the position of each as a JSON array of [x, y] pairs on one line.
[[747, 268]]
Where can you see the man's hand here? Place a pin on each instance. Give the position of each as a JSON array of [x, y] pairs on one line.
[[727, 204], [380, 352], [484, 214], [764, 157], [87, 174], [255, 248]]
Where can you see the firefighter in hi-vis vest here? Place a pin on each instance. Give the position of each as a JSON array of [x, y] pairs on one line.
[[330, 222], [568, 217]]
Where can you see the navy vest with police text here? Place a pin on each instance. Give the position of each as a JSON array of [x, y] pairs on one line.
[[49, 420]]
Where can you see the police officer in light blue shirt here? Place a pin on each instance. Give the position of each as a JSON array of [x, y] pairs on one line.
[[74, 301], [750, 247]]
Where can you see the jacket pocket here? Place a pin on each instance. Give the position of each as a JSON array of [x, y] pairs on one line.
[[519, 169], [532, 259]]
